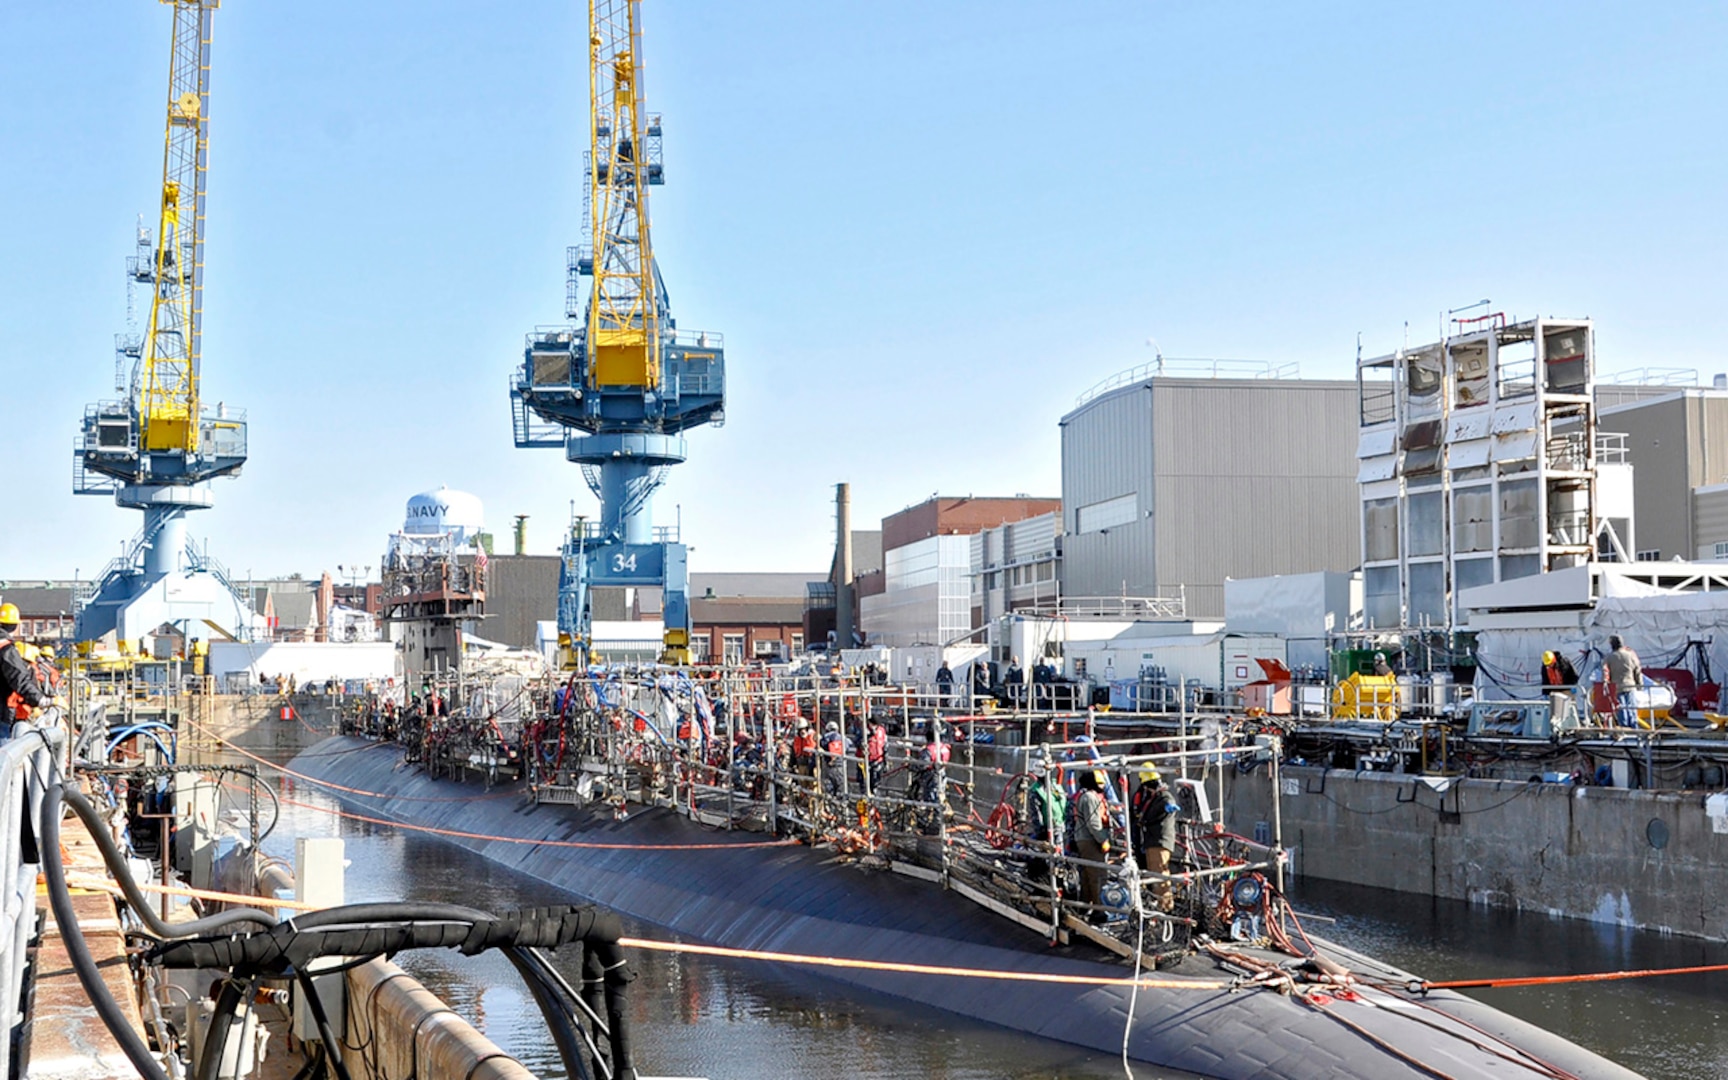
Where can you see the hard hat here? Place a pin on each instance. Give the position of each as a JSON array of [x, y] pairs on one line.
[[48, 651], [831, 726], [1548, 658], [1379, 656], [1037, 768], [1148, 772], [8, 614]]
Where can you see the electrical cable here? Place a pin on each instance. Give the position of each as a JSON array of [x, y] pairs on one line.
[[78, 950], [326, 1035]]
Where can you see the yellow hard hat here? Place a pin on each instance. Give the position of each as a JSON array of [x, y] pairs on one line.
[[8, 614], [1148, 772], [1547, 658]]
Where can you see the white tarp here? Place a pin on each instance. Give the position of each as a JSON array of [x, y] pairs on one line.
[[307, 661], [1656, 627]]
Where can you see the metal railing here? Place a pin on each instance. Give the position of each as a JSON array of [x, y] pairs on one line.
[[1111, 607], [1179, 368], [30, 761]]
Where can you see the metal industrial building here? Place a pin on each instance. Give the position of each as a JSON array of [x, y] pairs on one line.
[[1677, 441], [1176, 476], [927, 596]]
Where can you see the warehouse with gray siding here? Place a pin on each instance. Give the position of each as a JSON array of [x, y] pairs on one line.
[[1173, 484]]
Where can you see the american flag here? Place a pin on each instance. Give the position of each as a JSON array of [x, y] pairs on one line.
[[480, 559]]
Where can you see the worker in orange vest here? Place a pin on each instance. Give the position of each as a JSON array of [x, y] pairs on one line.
[[18, 682]]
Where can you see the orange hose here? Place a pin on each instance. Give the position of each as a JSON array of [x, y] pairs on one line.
[[1555, 980], [920, 969]]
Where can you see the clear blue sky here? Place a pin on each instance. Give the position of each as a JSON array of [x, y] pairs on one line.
[[924, 228]]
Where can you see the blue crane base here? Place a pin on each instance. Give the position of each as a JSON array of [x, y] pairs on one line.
[[599, 563]]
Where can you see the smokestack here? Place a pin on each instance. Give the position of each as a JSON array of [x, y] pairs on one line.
[[326, 599], [843, 567], [521, 534]]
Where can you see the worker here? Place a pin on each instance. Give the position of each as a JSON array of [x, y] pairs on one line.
[[930, 762], [1046, 817], [1624, 675], [1091, 839], [833, 750], [1558, 671], [876, 754], [804, 749], [1381, 667], [980, 681], [1153, 810], [18, 685], [1012, 682], [944, 684]]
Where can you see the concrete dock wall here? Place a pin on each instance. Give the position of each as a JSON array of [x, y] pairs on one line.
[[1645, 859], [399, 1030], [253, 722]]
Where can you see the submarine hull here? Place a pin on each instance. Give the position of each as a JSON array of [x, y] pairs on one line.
[[736, 892]]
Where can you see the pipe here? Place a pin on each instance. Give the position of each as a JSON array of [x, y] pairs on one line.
[[116, 863]]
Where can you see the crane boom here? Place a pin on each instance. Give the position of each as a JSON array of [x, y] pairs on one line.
[[167, 386], [623, 309]]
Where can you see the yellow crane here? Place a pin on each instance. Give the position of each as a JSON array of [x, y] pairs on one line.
[[156, 449]]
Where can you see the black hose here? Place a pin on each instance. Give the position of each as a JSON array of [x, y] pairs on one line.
[[617, 977], [556, 1014], [78, 950], [275, 813], [209, 1064], [326, 1035], [593, 981], [116, 863]]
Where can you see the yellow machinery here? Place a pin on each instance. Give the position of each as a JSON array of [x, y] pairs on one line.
[[1366, 697]]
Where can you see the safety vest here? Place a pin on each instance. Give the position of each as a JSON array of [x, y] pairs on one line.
[[15, 707], [833, 744], [803, 747], [936, 753], [878, 747]]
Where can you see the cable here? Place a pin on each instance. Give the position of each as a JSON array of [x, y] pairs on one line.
[[78, 950], [326, 1035]]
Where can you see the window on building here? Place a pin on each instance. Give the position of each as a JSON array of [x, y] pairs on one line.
[[1655, 554], [797, 643], [732, 648], [700, 647], [1380, 526], [1721, 549], [1102, 515], [765, 647]]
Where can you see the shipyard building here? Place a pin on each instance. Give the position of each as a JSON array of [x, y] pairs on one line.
[[1181, 474], [927, 593], [1677, 439]]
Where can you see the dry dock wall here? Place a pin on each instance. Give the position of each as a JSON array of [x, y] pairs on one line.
[[1646, 859], [399, 1030]]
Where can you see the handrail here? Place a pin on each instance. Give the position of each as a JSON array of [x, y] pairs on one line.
[[31, 760], [1176, 367]]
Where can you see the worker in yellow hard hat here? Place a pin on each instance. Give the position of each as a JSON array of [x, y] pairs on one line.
[[1091, 838], [18, 686], [1557, 671], [1153, 811]]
